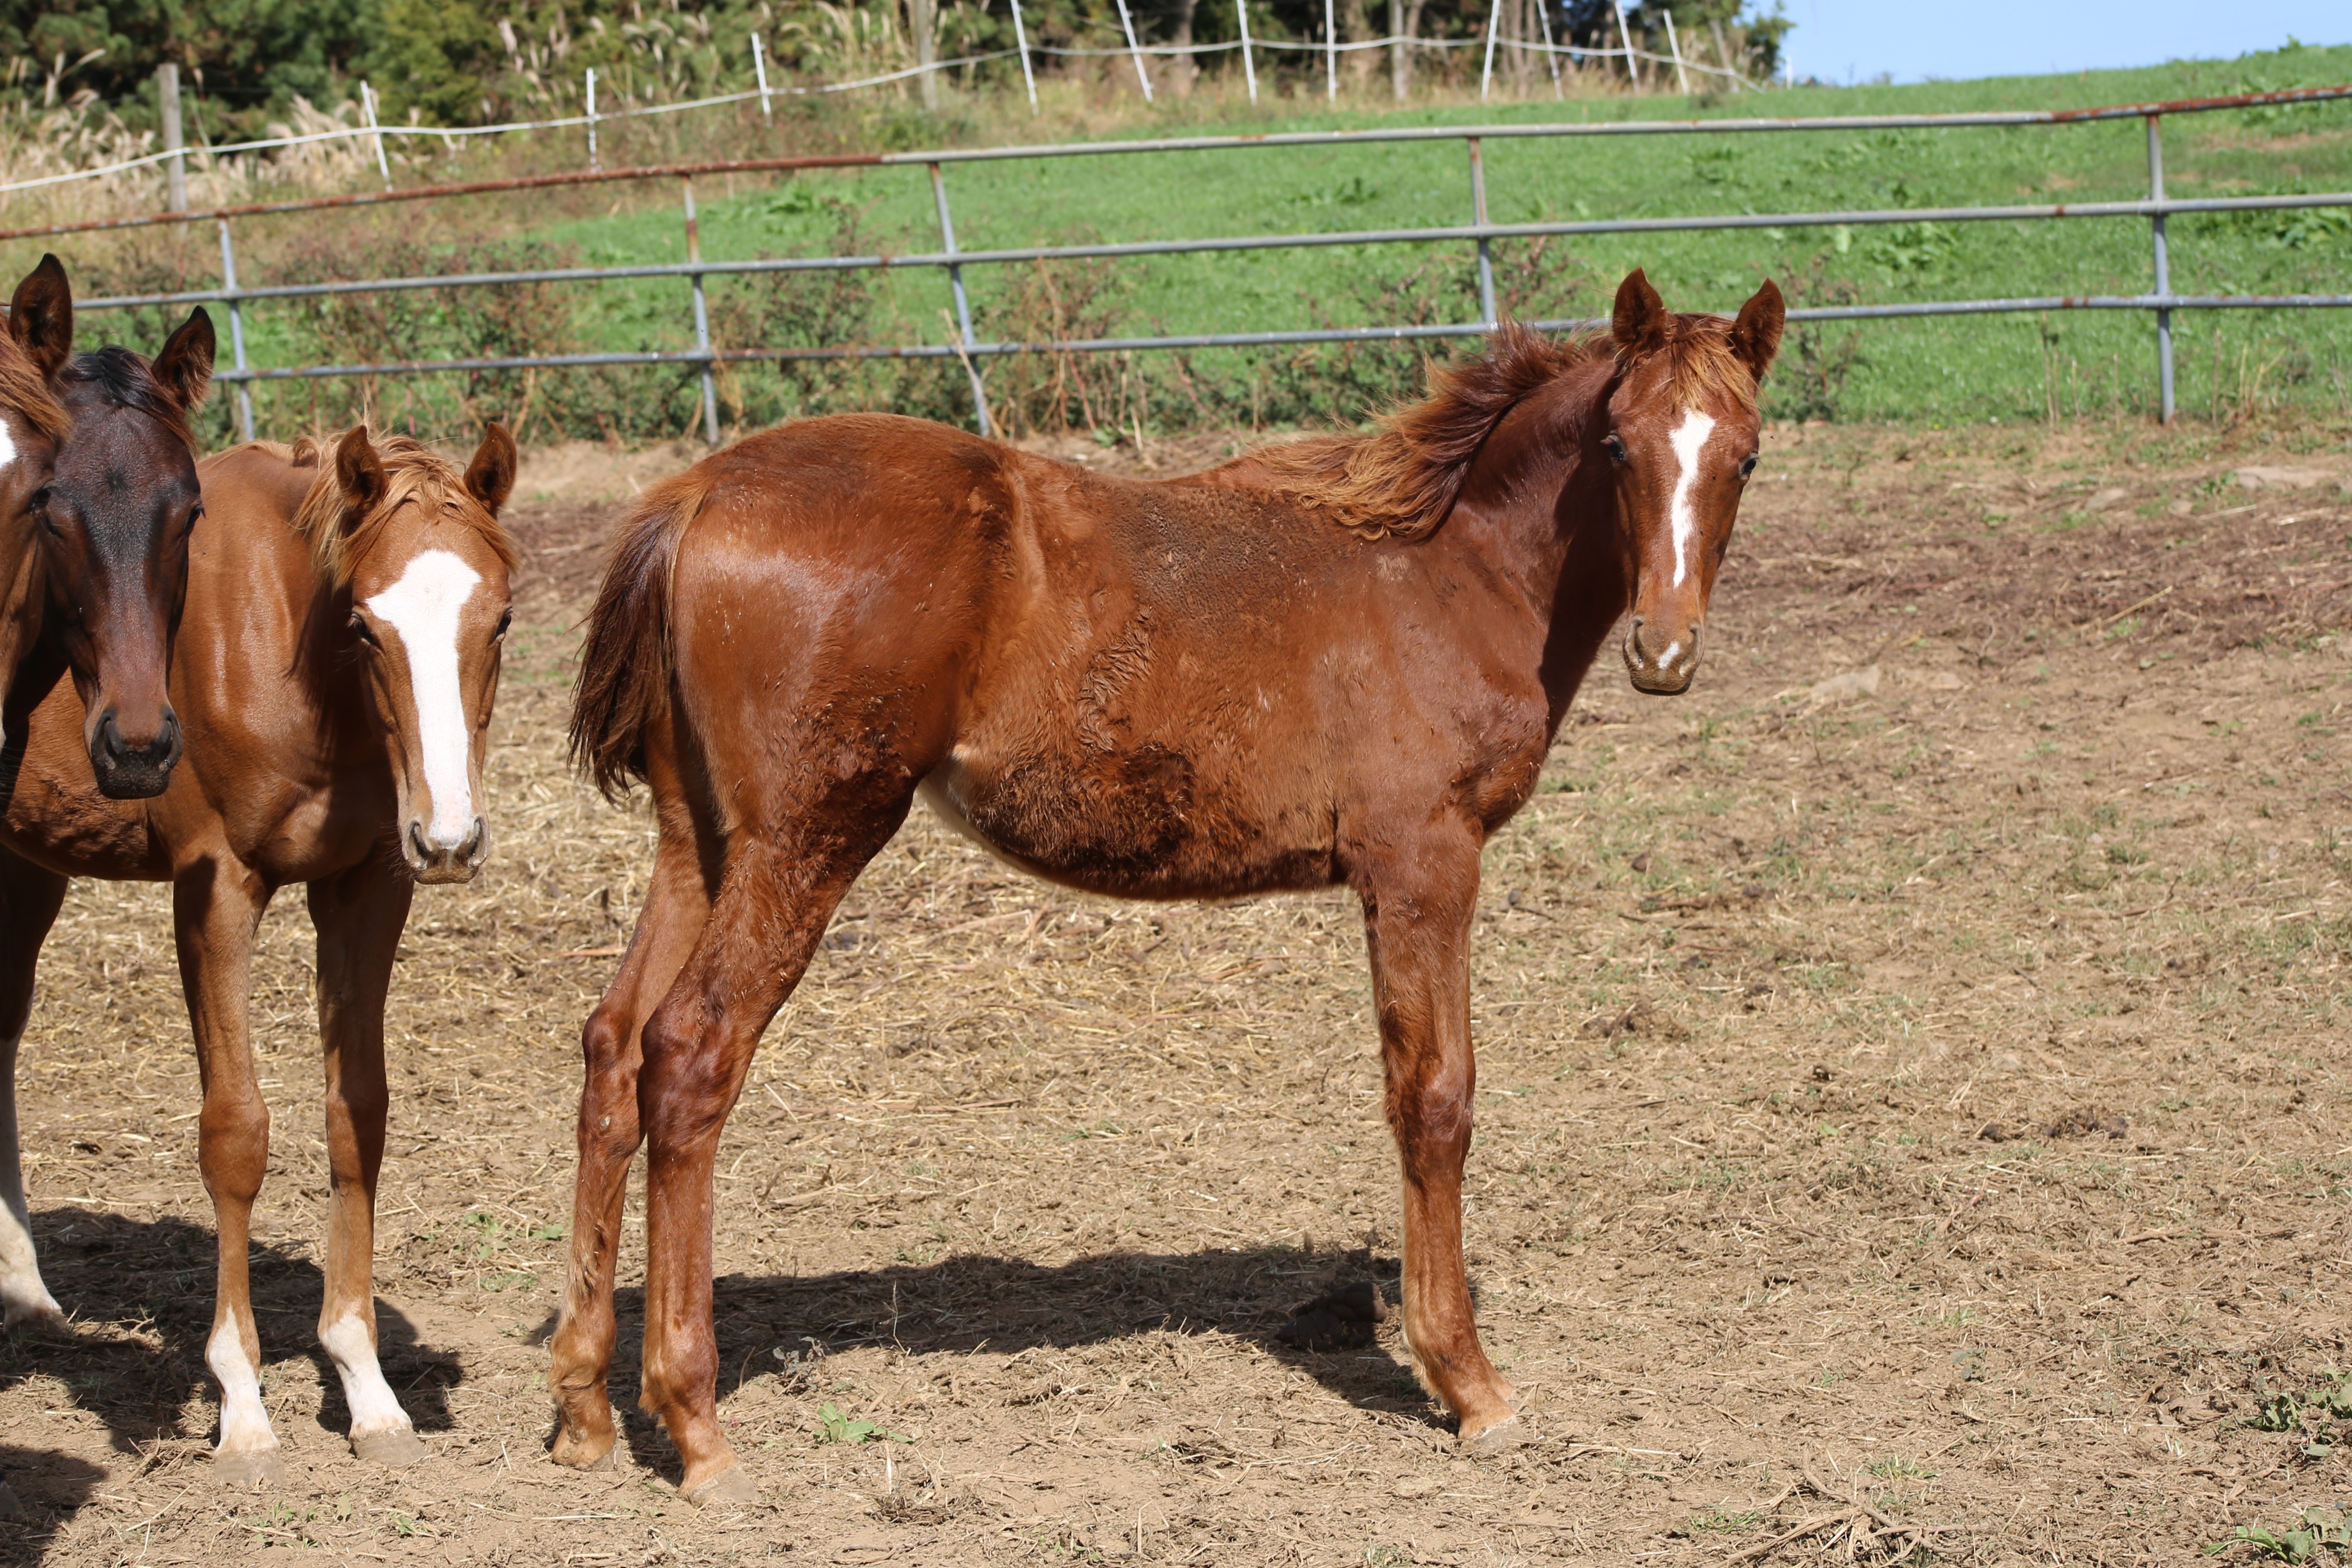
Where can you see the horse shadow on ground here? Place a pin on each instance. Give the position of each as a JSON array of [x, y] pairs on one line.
[[139, 1296], [958, 1304]]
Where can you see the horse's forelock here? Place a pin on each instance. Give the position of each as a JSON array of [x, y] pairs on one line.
[[125, 380], [1697, 365], [415, 473]]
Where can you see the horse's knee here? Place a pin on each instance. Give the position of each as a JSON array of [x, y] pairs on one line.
[[233, 1144], [608, 1087], [684, 1087]]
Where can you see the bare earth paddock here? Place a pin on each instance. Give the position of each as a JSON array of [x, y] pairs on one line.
[[1024, 1183]]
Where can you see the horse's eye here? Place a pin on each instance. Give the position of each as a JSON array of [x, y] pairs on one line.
[[505, 621], [1616, 448], [360, 629], [1748, 466]]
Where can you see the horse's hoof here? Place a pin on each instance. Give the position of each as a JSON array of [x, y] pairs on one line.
[[731, 1488], [1493, 1438], [40, 1315], [393, 1445], [250, 1469], [586, 1452]]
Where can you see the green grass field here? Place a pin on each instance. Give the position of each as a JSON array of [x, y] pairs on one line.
[[1938, 371]]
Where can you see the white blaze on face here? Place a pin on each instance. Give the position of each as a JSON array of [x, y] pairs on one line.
[[1688, 439], [424, 607], [7, 445], [244, 1424], [351, 1348]]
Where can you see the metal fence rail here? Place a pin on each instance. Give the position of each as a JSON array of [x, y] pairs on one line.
[[2156, 209]]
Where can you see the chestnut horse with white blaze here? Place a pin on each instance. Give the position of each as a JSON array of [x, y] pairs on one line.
[[1340, 661], [335, 671]]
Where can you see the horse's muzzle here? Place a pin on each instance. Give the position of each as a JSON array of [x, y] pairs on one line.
[[128, 770], [1660, 666], [433, 862]]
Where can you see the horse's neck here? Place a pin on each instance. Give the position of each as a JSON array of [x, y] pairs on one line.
[[1541, 518]]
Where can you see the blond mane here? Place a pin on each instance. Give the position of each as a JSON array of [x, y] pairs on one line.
[[412, 472], [1401, 481]]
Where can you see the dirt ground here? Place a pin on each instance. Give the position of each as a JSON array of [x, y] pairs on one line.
[[1914, 1116]]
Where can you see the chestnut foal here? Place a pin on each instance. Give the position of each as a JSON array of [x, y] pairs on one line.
[[335, 670], [98, 494], [1337, 661]]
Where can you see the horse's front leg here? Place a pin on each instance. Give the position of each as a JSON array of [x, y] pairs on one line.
[[29, 899], [216, 904], [1418, 907], [358, 916]]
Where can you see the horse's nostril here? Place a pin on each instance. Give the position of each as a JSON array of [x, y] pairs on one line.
[[416, 848]]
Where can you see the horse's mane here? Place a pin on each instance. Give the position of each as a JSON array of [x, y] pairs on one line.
[[1401, 481], [412, 472], [22, 389], [123, 379]]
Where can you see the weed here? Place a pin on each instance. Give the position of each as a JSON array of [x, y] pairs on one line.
[[836, 1428]]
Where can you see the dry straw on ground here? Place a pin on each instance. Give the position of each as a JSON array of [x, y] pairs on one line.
[[1024, 1183]]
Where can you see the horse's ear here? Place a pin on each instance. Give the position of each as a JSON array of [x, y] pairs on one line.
[[40, 316], [1639, 323], [185, 366], [490, 476], [1756, 335], [359, 472]]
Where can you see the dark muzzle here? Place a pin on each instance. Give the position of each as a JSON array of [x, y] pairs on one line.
[[134, 770]]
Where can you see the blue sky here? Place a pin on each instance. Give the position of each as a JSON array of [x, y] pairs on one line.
[[1841, 40]]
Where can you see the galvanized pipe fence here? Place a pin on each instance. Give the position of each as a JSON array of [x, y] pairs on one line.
[[963, 343]]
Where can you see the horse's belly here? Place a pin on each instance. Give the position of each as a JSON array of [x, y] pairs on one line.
[[1142, 823]]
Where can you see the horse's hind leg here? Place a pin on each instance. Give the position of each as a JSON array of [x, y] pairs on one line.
[[358, 916], [29, 899], [782, 886], [1418, 908], [216, 904], [676, 904]]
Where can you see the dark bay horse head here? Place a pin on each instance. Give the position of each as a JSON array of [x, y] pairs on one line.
[[114, 522], [1682, 433], [415, 553]]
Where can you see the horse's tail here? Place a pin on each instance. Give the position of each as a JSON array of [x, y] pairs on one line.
[[626, 662]]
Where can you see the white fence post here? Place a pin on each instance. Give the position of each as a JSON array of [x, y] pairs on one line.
[[592, 120], [1021, 42], [1543, 19], [1249, 68], [1330, 56], [1675, 47], [760, 70], [1135, 52], [1494, 26], [1625, 34], [367, 106]]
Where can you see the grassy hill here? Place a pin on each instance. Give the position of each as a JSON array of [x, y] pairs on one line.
[[1936, 371]]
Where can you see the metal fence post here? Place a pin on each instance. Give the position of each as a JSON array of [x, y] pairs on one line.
[[1485, 250], [236, 332], [760, 70], [1135, 50], [701, 321], [2163, 271], [1331, 55], [1543, 15], [592, 120], [962, 304]]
